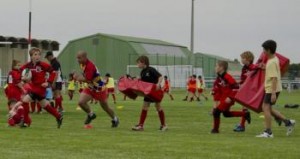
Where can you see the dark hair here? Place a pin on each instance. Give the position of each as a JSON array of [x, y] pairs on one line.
[[270, 45], [223, 64], [166, 77], [12, 101], [199, 76], [14, 63], [107, 75], [143, 59], [194, 76]]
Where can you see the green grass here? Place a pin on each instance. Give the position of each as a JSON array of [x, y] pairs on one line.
[[188, 135]]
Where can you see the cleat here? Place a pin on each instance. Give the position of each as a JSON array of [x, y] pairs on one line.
[[213, 131], [239, 128], [265, 135], [115, 122], [163, 128], [88, 126], [290, 127], [59, 121], [138, 128]]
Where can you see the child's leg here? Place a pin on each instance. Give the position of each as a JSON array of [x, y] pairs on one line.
[[268, 117], [46, 105], [280, 116], [144, 112], [161, 114], [216, 115], [32, 105]]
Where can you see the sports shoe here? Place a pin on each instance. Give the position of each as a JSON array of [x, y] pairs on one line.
[[213, 131], [248, 117], [290, 127], [22, 124], [78, 108], [265, 135], [138, 128], [59, 121], [239, 128], [163, 128], [198, 99], [89, 118], [115, 122]]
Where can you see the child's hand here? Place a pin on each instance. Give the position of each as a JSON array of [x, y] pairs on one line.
[[228, 100], [158, 87], [45, 84]]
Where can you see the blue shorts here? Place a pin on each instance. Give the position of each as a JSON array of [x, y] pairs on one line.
[[49, 94]]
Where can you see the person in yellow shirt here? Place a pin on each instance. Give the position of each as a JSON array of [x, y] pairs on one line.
[[110, 85], [71, 86], [273, 87]]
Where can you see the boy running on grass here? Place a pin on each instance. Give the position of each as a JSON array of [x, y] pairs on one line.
[[226, 91], [273, 87], [151, 75]]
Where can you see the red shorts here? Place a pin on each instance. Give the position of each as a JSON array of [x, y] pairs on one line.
[[111, 90], [192, 90], [36, 90], [166, 90], [223, 106], [13, 93], [97, 95], [200, 90]]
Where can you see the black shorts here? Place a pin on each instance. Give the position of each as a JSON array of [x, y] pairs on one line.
[[146, 99], [267, 98], [35, 97], [58, 86]]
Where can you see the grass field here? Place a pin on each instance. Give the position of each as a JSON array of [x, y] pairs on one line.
[[188, 135]]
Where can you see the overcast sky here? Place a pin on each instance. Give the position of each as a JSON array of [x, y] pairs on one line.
[[222, 27]]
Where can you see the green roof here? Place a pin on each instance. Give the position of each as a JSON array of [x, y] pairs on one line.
[[133, 39], [214, 56]]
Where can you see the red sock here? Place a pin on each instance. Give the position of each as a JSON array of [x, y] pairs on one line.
[[27, 119], [39, 108], [32, 105], [243, 119], [59, 102], [216, 123], [237, 113], [114, 97], [52, 111], [143, 117], [161, 115]]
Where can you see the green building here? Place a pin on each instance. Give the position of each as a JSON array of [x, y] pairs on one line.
[[208, 63], [117, 54]]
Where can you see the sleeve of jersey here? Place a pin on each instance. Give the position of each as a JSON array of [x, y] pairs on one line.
[[231, 81], [16, 78], [89, 73], [52, 73], [156, 73]]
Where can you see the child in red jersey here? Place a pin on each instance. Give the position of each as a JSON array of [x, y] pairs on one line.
[[16, 115], [247, 59], [200, 88], [15, 85], [166, 87], [38, 83], [191, 88], [226, 86]]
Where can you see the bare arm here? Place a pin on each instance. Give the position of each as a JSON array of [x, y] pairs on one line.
[[274, 88]]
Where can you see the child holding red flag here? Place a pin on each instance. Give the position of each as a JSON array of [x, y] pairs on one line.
[[151, 75]]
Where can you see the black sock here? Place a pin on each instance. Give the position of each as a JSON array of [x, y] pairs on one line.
[[269, 131], [287, 122]]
